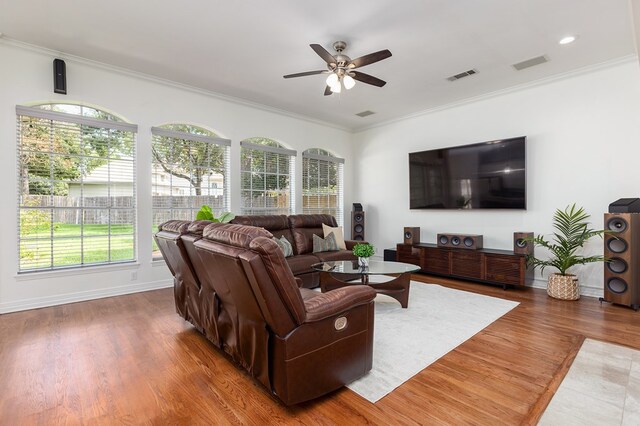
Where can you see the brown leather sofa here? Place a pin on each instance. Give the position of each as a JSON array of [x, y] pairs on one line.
[[299, 230], [233, 284]]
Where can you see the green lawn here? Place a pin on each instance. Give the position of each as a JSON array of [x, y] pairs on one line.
[[68, 247]]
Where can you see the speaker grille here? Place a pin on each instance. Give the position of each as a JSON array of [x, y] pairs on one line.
[[408, 235], [455, 241], [617, 285], [617, 265], [358, 217], [358, 228], [443, 239], [520, 242], [468, 241], [617, 224], [616, 245]]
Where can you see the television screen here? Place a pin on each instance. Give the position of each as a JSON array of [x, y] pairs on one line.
[[488, 175]]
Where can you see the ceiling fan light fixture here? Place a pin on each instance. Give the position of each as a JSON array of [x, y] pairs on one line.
[[336, 88], [348, 81], [333, 79]]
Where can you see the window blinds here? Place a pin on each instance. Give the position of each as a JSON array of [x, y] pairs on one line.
[[266, 183], [322, 187], [76, 190], [188, 170]]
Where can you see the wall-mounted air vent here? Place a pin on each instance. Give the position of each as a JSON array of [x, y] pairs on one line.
[[462, 75], [530, 63], [365, 113]]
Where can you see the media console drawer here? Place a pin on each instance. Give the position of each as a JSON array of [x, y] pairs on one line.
[[485, 265]]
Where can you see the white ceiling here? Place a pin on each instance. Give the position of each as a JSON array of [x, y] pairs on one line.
[[243, 48]]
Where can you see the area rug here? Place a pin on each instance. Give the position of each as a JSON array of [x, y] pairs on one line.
[[406, 341]]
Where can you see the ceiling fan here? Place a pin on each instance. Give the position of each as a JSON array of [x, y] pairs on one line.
[[341, 68]]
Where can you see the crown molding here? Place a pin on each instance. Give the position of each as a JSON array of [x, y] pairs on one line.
[[148, 77], [541, 82]]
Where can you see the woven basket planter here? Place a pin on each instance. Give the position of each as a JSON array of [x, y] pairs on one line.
[[564, 287]]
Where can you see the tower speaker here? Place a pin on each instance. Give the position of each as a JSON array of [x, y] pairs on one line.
[[411, 235], [622, 249], [357, 225], [59, 76], [463, 241], [520, 243]]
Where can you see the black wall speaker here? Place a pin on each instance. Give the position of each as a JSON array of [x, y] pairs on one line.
[[59, 76], [357, 225], [520, 244], [622, 249], [357, 207], [463, 241], [411, 235]]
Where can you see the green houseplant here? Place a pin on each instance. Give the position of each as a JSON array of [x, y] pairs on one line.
[[572, 232], [205, 213], [363, 251]]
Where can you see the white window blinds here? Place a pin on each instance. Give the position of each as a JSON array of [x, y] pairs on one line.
[[190, 167], [76, 188], [322, 187], [266, 179]]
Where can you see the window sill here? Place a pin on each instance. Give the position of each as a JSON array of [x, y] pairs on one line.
[[30, 276]]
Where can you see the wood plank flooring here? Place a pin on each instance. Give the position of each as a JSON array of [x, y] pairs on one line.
[[132, 360]]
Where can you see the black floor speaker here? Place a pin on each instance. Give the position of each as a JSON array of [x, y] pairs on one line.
[[357, 225], [622, 250]]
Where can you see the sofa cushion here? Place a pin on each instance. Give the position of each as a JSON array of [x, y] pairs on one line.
[[301, 264], [337, 232], [304, 226], [284, 245], [330, 256], [324, 244], [278, 225]]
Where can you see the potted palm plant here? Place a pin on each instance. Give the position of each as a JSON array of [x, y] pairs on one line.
[[571, 234]]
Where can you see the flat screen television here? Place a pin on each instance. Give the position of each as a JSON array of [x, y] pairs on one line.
[[487, 175]]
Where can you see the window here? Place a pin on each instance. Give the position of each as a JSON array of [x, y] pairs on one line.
[[267, 170], [76, 187], [322, 183], [190, 168]]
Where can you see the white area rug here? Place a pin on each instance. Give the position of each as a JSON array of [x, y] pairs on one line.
[[406, 341]]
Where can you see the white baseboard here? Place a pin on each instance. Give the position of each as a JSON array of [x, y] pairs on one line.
[[61, 299], [584, 290]]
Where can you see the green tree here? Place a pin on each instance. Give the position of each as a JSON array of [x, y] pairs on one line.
[[187, 159], [52, 154]]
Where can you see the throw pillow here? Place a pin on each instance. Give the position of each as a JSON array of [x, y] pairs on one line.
[[324, 244], [284, 245], [337, 232]]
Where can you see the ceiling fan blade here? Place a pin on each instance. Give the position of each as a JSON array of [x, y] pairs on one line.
[[303, 74], [322, 52], [369, 59], [327, 91], [366, 78]]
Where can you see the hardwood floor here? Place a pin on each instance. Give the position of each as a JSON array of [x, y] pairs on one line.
[[132, 359]]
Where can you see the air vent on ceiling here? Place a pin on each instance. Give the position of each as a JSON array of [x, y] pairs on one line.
[[462, 75], [530, 62], [365, 113]]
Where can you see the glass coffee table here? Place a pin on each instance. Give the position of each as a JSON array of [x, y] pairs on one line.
[[345, 272]]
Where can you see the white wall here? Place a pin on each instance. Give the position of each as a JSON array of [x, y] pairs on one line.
[[583, 146], [26, 77]]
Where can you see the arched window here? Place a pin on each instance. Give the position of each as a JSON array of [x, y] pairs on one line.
[[322, 183], [190, 167], [77, 188], [266, 181]]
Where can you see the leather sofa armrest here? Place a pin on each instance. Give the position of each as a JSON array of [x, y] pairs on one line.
[[325, 305], [351, 243], [298, 282]]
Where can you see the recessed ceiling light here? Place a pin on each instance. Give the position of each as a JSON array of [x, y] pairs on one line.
[[567, 40]]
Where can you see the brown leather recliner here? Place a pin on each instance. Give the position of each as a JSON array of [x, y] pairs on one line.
[[299, 348]]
